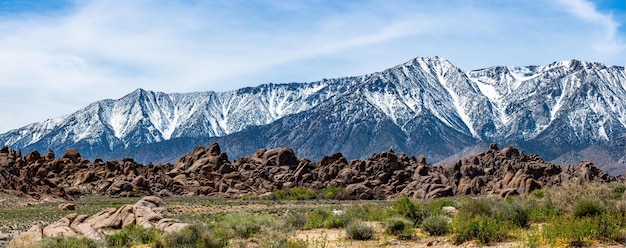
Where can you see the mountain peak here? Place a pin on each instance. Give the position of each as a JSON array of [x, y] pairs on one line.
[[575, 65], [424, 101]]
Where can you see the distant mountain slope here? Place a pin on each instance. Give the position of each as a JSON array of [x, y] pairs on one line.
[[425, 106]]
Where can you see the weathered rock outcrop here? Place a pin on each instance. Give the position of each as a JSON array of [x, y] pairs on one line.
[[146, 213], [208, 171]]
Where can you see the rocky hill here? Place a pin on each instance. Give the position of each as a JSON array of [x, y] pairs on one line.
[[208, 171]]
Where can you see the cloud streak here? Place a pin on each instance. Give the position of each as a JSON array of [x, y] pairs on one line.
[[55, 61]]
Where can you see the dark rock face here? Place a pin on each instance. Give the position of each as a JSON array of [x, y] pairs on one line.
[[208, 171]]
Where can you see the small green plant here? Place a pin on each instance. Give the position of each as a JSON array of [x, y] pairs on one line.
[[359, 231], [478, 206], [317, 218], [514, 212], [588, 207], [132, 235], [337, 221], [296, 220], [574, 231], [485, 230], [618, 190], [400, 227], [539, 193], [331, 192], [295, 194], [194, 236], [366, 212], [68, 243], [406, 208], [436, 225]]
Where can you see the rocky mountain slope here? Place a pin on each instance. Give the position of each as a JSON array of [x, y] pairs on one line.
[[425, 106], [208, 171]]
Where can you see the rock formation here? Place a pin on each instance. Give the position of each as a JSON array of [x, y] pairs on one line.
[[145, 213], [208, 171]]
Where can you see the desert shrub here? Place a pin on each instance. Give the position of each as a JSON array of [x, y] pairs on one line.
[[295, 194], [575, 190], [436, 225], [539, 193], [366, 212], [359, 231], [317, 218], [434, 207], [332, 192], [194, 236], [298, 243], [588, 207], [515, 212], [539, 211], [246, 225], [484, 229], [296, 220], [617, 190], [577, 231], [337, 221], [484, 206], [68, 243], [400, 227], [406, 208], [132, 235]]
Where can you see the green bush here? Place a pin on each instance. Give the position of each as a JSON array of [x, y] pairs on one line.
[[317, 218], [579, 231], [296, 220], [68, 243], [366, 212], [400, 227], [478, 206], [331, 192], [337, 221], [539, 193], [436, 225], [618, 190], [194, 236], [359, 231], [514, 212], [246, 225], [484, 229], [295, 194], [541, 212], [575, 231], [406, 208], [588, 207], [434, 207], [132, 235]]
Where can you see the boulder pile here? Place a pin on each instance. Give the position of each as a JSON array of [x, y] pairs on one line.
[[145, 213], [208, 171]]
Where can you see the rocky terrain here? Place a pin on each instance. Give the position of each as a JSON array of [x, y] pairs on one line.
[[208, 171], [144, 213]]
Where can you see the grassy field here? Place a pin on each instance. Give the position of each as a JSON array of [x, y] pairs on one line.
[[575, 214]]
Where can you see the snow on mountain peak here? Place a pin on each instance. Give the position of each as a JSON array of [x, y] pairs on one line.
[[495, 103]]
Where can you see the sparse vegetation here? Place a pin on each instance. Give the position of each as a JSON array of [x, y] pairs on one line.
[[436, 225], [592, 219], [359, 231], [133, 235], [399, 227]]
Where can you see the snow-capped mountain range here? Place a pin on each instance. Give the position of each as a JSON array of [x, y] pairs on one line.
[[425, 106]]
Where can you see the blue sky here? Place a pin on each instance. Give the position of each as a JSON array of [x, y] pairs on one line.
[[58, 56]]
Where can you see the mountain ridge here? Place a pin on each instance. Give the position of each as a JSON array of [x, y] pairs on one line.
[[423, 106]]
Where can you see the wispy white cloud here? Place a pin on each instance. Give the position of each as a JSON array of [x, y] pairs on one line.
[[609, 41], [55, 62]]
